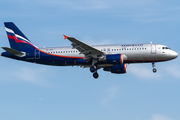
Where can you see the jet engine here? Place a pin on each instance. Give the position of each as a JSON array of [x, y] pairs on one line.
[[113, 59], [118, 69]]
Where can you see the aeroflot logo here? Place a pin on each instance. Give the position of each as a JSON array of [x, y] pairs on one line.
[[17, 38], [132, 45]]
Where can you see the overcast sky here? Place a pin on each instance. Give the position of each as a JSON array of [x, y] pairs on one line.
[[38, 92]]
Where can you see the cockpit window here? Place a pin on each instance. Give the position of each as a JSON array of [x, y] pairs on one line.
[[165, 48]]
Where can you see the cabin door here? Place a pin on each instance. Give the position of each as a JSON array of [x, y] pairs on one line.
[[37, 54], [153, 48]]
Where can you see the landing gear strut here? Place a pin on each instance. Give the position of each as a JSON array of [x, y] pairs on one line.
[[154, 69]]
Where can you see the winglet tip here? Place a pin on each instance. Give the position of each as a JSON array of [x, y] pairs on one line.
[[65, 37]]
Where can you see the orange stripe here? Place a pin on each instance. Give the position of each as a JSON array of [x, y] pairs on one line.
[[124, 68], [120, 58]]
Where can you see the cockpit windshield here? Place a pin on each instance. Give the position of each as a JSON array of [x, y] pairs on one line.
[[165, 48]]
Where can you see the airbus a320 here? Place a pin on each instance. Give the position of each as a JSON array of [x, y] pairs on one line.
[[111, 58]]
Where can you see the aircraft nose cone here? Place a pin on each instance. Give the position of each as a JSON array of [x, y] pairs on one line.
[[174, 54]]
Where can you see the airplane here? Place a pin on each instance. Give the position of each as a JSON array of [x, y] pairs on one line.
[[112, 58]]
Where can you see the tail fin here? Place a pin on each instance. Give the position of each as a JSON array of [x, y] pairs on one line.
[[17, 39]]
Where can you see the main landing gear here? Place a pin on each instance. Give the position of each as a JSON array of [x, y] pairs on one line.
[[94, 71], [154, 69]]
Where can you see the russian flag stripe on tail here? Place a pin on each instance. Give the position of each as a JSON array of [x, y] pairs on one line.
[[13, 28], [17, 39]]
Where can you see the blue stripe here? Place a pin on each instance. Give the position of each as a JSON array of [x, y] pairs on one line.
[[10, 33]]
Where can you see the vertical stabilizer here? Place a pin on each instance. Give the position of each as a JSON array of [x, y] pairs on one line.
[[17, 39]]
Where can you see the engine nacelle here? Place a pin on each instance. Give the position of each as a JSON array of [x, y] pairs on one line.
[[113, 59], [118, 69]]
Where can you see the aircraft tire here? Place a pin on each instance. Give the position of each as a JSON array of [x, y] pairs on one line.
[[92, 69], [154, 70], [95, 75]]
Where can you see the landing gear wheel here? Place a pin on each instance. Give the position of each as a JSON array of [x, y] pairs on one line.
[[96, 75], [92, 69], [154, 70]]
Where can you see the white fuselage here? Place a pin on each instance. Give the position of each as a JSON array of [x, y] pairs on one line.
[[133, 53]]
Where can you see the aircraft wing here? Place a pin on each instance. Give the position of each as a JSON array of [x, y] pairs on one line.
[[88, 51]]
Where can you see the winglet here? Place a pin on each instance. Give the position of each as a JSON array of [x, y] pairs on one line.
[[65, 37]]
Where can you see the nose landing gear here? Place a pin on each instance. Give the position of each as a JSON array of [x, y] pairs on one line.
[[154, 69]]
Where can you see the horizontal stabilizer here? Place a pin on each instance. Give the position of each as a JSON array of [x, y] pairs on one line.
[[14, 52]]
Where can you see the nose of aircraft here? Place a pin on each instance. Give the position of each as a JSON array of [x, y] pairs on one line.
[[174, 54]]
